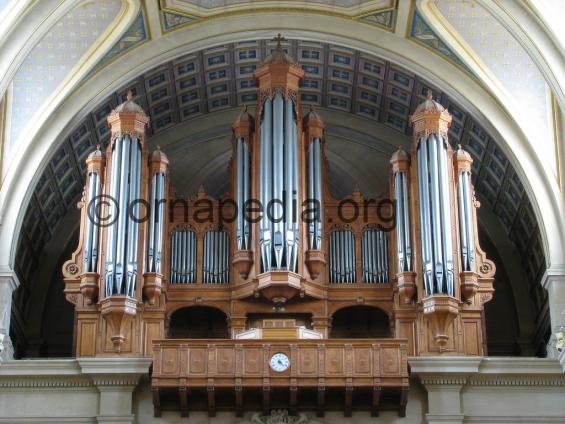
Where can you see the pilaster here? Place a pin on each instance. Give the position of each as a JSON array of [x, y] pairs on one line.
[[115, 379], [444, 377], [553, 281], [8, 283]]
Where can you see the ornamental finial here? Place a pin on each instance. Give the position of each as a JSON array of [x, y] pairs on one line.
[[279, 38], [130, 95], [429, 94]]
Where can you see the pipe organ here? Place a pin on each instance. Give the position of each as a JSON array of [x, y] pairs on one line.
[[287, 251]]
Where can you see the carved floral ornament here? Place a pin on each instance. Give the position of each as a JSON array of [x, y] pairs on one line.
[[279, 416]]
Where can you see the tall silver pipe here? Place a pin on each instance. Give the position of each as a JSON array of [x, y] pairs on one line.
[[152, 213], [184, 256], [318, 189], [365, 256], [112, 212], [435, 196], [289, 165], [122, 218], [385, 250], [246, 194], [399, 221], [96, 224], [463, 224], [312, 224], [278, 172], [266, 168], [89, 224], [132, 231], [239, 191], [447, 244], [295, 218], [406, 221], [172, 268], [162, 200], [469, 221], [426, 237]]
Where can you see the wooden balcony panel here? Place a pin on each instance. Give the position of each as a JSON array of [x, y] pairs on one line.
[[245, 363]]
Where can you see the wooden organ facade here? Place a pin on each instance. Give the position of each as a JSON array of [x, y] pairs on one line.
[[282, 250]]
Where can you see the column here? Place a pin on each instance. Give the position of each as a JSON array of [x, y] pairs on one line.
[[443, 379], [8, 283], [115, 378], [554, 282]]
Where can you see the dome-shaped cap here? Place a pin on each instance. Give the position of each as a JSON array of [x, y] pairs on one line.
[[96, 153], [159, 155], [244, 117], [462, 154], [129, 106], [429, 105], [312, 117], [399, 155], [279, 56]]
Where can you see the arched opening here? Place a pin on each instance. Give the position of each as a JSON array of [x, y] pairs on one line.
[[198, 322], [360, 322]]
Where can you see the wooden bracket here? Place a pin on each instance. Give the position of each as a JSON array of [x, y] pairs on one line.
[[156, 402], [183, 397], [211, 401]]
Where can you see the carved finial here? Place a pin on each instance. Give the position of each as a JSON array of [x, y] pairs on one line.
[[459, 146], [244, 108], [98, 147], [311, 108], [130, 95], [278, 39], [158, 147], [429, 94]]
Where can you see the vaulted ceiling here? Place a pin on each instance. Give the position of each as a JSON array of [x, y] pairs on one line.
[[365, 100]]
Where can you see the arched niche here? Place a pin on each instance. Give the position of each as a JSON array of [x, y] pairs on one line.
[[198, 322], [360, 322]]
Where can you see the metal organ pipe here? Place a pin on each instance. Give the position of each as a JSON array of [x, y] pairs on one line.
[[156, 223], [265, 183], [242, 189], [132, 231], [374, 247], [92, 225], [122, 241], [278, 185], [183, 257], [342, 256], [446, 230], [435, 217], [315, 192], [216, 257], [466, 222]]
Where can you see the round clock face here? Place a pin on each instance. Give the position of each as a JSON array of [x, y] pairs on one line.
[[279, 362]]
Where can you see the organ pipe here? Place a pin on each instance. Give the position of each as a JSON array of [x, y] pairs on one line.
[[216, 257], [315, 192], [92, 224], [374, 248], [122, 240], [156, 223], [435, 217], [279, 184], [242, 190], [183, 257], [466, 222], [342, 256]]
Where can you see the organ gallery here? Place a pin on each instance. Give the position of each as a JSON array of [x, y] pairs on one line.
[[325, 298]]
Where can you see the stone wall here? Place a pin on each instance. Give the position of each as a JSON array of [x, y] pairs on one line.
[[442, 390]]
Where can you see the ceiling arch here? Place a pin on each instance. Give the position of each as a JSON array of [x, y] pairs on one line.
[[545, 206], [365, 100]]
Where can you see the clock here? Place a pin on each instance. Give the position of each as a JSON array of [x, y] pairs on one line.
[[279, 362]]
